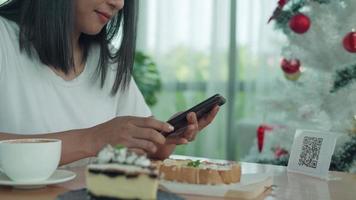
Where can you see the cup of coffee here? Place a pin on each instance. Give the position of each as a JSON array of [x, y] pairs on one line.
[[29, 160]]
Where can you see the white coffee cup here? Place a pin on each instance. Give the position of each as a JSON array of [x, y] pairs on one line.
[[29, 160]]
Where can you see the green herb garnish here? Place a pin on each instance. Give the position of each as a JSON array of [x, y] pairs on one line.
[[119, 146], [194, 163]]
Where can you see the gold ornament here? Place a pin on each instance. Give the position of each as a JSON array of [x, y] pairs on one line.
[[293, 77]]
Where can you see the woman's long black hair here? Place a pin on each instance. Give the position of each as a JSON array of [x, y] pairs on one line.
[[47, 26]]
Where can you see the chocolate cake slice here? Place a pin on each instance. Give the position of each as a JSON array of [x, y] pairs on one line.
[[121, 174]]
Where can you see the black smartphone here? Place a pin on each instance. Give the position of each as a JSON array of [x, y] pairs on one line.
[[180, 122]]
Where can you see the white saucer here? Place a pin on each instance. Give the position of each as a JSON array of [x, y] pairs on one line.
[[250, 184], [59, 176]]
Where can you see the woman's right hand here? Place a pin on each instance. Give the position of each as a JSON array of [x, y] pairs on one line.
[[139, 133]]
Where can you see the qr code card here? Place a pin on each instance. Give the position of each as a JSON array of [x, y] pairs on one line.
[[311, 153]]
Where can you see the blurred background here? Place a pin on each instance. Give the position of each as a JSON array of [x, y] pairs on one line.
[[203, 47]]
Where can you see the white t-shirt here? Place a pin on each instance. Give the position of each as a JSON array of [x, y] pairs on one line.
[[33, 99]]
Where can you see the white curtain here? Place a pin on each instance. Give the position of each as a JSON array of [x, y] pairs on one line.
[[189, 41]]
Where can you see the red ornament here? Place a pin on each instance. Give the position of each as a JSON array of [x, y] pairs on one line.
[[278, 10], [290, 66], [299, 23], [278, 152], [261, 134], [349, 42], [282, 3]]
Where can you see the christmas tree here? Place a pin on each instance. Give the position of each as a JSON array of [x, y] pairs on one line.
[[318, 90]]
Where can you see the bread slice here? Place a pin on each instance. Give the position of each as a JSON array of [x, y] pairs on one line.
[[196, 172]]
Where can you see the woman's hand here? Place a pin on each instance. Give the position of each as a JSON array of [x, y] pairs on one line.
[[141, 134], [194, 126], [189, 134]]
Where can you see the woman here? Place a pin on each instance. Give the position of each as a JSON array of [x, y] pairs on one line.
[[61, 78]]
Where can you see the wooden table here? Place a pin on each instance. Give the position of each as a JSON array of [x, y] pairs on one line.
[[287, 186]]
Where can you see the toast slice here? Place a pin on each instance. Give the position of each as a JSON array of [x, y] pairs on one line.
[[196, 172]]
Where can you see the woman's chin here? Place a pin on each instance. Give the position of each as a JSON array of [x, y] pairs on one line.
[[93, 31]]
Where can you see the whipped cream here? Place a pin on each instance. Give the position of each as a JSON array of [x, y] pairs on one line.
[[123, 156], [106, 154]]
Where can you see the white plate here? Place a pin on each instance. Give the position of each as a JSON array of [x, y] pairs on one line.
[[250, 186], [59, 176]]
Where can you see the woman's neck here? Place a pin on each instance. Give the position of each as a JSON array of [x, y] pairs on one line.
[[79, 65]]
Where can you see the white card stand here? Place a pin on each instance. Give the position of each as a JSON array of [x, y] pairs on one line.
[[311, 153]]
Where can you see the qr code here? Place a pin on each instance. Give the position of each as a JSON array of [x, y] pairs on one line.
[[310, 152]]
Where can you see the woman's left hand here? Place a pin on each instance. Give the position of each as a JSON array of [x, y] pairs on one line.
[[193, 128], [189, 134]]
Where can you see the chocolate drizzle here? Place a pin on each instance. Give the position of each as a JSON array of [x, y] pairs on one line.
[[112, 173], [94, 197], [135, 175]]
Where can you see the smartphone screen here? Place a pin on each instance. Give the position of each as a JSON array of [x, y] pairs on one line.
[[180, 122]]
